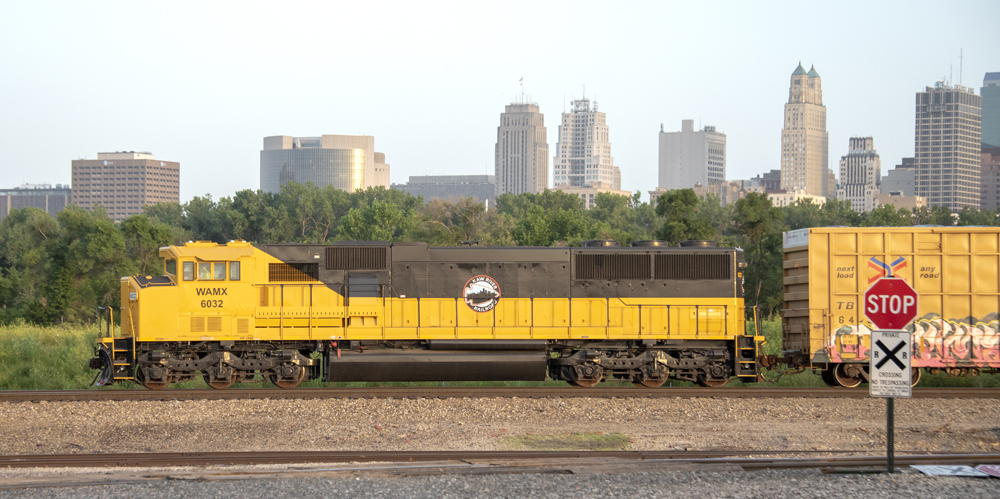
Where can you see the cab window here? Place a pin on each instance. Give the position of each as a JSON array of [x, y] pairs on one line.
[[188, 271], [211, 271], [170, 266], [234, 271]]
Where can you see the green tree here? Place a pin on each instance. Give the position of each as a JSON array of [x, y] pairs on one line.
[[757, 224], [382, 221], [533, 229], [677, 208], [887, 215], [938, 215], [969, 216], [143, 240]]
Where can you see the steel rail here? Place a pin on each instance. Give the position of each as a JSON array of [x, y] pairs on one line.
[[549, 458], [471, 392]]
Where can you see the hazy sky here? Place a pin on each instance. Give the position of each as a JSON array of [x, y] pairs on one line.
[[203, 82]]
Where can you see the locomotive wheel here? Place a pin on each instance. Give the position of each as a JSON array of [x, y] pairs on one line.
[[914, 376], [844, 378], [827, 376], [711, 382], [288, 384], [219, 384], [651, 382], [587, 383], [156, 385]]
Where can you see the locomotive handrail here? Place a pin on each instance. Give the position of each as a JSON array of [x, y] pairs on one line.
[[110, 321]]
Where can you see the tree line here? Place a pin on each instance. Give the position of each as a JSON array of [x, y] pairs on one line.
[[55, 270]]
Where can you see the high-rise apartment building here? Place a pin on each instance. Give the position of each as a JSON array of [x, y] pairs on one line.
[[347, 162], [41, 196], [583, 152], [124, 182], [860, 173], [688, 157], [990, 94], [947, 146], [521, 153], [805, 143]]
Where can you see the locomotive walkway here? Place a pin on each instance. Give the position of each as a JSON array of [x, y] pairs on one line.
[[470, 392]]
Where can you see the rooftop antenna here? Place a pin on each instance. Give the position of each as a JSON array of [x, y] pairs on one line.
[[960, 67]]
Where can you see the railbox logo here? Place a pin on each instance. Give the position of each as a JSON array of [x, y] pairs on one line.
[[481, 293]]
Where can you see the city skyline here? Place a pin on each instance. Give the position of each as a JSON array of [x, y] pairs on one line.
[[203, 86]]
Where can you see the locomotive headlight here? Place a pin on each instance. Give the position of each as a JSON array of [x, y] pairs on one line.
[[133, 295]]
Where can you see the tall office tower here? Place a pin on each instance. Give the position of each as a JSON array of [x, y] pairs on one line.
[[688, 157], [990, 94], [124, 182], [947, 145], [860, 173], [583, 152], [347, 162], [521, 154], [805, 143]]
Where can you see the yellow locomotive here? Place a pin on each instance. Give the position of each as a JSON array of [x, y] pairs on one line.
[[376, 311]]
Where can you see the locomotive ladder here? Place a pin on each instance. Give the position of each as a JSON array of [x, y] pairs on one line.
[[746, 352], [123, 346]]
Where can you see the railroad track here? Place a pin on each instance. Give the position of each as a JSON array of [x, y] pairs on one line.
[[239, 466], [740, 457], [475, 392]]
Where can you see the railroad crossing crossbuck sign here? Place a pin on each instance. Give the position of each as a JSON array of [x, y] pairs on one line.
[[890, 364], [890, 303]]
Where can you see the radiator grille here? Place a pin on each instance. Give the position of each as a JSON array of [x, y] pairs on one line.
[[612, 267], [348, 258], [294, 272], [242, 326], [694, 267], [197, 324], [215, 324]]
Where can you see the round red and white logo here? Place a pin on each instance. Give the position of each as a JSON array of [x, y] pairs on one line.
[[481, 293]]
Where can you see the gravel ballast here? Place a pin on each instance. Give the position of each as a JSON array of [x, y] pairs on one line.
[[953, 425], [938, 425]]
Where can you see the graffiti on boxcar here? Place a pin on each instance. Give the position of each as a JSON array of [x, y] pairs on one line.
[[937, 342], [969, 341]]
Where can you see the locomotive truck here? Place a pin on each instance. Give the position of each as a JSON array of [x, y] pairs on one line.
[[378, 311]]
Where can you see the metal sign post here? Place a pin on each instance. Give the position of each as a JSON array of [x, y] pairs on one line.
[[890, 377]]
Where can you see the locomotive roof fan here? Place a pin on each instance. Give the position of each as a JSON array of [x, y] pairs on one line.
[[650, 243], [600, 243], [698, 243]]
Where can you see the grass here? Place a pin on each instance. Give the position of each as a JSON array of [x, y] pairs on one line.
[[46, 358], [567, 442], [55, 358]]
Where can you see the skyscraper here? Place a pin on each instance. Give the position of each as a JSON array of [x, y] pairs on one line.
[[583, 152], [124, 182], [990, 94], [947, 146], [689, 157], [805, 143], [347, 162], [860, 173], [521, 154]]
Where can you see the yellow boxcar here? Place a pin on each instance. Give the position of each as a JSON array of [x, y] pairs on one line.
[[955, 271]]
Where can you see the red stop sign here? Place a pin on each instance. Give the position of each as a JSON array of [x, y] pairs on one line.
[[891, 303]]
